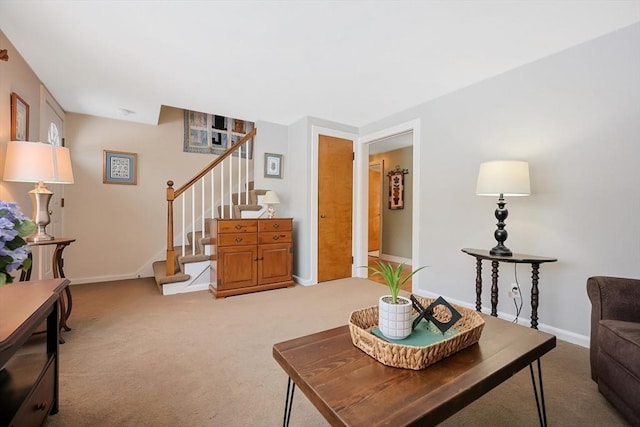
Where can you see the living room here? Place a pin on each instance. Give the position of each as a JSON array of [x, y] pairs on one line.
[[574, 115]]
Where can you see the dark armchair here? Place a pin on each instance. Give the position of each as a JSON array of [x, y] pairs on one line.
[[615, 342]]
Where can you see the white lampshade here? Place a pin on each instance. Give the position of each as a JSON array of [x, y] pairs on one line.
[[63, 172], [506, 177], [37, 162], [271, 198]]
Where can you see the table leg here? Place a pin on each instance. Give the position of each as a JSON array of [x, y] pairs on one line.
[[58, 272], [542, 410], [534, 294], [288, 402], [478, 284], [494, 288]]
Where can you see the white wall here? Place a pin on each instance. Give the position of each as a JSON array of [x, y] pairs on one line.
[[575, 116]]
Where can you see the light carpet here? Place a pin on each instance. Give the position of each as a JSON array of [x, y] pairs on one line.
[[136, 358]]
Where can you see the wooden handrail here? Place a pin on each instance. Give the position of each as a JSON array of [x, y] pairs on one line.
[[215, 163], [173, 194]]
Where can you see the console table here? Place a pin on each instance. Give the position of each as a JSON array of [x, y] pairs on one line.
[[29, 377], [535, 261], [58, 272]]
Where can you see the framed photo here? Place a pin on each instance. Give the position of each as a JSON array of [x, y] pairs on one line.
[[272, 165], [119, 167], [19, 118]]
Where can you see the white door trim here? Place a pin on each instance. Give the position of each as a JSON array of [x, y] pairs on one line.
[[361, 185]]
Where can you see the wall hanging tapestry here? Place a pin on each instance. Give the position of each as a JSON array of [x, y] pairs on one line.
[[396, 187]]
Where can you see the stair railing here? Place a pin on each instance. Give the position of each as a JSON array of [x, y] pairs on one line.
[[242, 148]]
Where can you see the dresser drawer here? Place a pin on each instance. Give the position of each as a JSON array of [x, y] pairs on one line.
[[275, 225], [241, 226], [35, 409], [274, 237], [234, 239]]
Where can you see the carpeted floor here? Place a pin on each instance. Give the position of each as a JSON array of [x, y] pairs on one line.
[[136, 358]]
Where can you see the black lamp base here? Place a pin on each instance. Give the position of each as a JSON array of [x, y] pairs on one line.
[[501, 250], [501, 234]]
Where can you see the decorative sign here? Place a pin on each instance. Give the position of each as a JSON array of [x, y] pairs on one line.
[[396, 187]]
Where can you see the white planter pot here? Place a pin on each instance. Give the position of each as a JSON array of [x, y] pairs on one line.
[[394, 320]]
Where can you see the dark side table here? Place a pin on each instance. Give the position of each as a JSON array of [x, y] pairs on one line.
[[66, 302], [535, 261]]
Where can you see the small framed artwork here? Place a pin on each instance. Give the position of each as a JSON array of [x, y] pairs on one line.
[[119, 167], [19, 118], [272, 165]]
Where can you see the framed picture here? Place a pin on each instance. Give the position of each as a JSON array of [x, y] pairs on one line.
[[272, 165], [19, 118], [119, 167]]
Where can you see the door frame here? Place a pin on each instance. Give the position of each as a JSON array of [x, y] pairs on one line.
[[316, 131], [379, 163], [361, 184]]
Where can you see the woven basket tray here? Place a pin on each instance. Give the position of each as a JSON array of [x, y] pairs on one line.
[[410, 357]]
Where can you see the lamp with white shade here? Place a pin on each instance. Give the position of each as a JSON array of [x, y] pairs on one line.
[[503, 178], [41, 164], [270, 199]]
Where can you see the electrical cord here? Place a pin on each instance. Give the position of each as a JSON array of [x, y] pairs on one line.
[[515, 302]]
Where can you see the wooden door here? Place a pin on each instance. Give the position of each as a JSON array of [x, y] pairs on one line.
[[274, 263], [375, 204], [237, 267], [335, 208]]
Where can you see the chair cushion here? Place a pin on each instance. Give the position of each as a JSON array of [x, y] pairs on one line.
[[621, 341]]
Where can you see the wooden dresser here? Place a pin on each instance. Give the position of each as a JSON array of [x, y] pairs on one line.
[[29, 370], [253, 254]]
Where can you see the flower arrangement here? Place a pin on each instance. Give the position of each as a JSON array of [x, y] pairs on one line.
[[14, 252]]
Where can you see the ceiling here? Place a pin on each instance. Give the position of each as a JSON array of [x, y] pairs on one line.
[[352, 62]]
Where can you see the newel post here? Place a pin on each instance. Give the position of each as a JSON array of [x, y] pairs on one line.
[[171, 253]]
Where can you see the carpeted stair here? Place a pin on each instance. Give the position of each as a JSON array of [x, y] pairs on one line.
[[202, 242]]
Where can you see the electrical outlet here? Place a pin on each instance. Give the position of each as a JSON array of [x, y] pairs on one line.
[[514, 292]]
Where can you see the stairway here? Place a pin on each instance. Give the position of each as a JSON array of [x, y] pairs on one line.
[[194, 264], [223, 188]]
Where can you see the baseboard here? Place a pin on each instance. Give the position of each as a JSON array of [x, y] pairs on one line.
[[393, 258], [562, 334], [301, 281], [97, 279]]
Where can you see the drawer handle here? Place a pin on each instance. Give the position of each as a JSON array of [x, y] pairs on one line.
[[238, 239], [238, 226], [276, 225], [276, 237], [41, 406]]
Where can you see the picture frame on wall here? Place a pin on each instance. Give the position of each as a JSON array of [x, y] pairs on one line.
[[119, 167], [19, 118], [272, 165]]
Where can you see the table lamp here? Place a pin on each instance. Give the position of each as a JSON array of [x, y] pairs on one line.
[[270, 199], [503, 178], [39, 163]]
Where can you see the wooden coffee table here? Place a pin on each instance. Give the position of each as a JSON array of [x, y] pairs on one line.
[[350, 388]]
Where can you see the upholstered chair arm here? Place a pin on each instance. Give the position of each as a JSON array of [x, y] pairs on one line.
[[614, 298]]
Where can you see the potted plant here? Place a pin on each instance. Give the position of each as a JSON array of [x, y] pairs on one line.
[[394, 311]]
